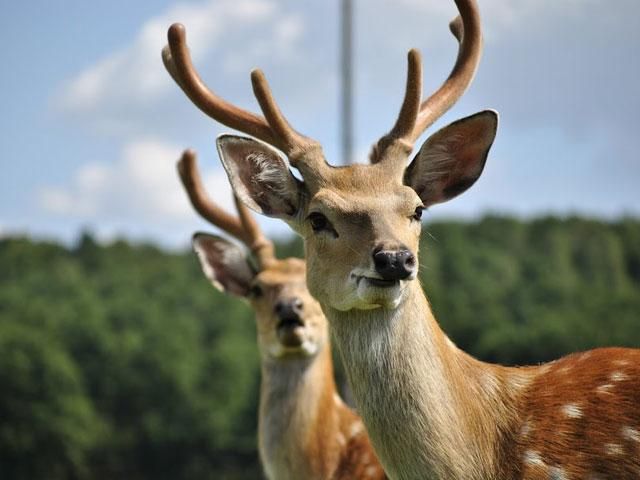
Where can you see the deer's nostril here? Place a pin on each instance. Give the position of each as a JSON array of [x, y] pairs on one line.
[[297, 304], [381, 259], [409, 259]]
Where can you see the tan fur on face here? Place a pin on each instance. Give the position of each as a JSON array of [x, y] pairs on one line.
[[366, 209], [283, 280]]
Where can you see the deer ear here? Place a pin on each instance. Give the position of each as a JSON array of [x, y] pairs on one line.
[[260, 176], [452, 159], [224, 264]]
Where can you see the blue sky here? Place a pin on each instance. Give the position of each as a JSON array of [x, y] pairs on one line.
[[92, 125]]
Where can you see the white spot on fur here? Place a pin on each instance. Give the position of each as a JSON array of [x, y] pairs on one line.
[[526, 428], [533, 458], [371, 471], [356, 429], [613, 449], [341, 440], [564, 370], [621, 363], [606, 388], [618, 376], [557, 473], [572, 410], [631, 434]]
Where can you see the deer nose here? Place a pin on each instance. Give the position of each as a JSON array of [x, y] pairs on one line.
[[394, 264], [289, 308]]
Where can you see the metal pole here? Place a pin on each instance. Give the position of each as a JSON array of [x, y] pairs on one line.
[[346, 83]]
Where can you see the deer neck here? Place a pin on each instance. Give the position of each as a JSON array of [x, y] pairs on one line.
[[445, 413], [298, 403]]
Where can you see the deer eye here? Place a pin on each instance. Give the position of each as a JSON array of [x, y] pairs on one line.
[[255, 291], [318, 222], [417, 214]]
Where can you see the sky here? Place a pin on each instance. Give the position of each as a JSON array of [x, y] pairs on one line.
[[92, 125]]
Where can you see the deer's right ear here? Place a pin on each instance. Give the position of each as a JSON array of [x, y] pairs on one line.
[[452, 159], [224, 264], [260, 176]]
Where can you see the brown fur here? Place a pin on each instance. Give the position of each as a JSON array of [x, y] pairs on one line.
[[581, 415]]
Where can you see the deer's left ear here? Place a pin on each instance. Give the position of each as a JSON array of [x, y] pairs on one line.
[[452, 159], [260, 176], [224, 264]]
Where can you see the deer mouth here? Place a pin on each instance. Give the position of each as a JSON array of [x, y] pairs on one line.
[[290, 332], [381, 282], [376, 282]]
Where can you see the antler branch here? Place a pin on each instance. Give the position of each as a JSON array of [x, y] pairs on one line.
[[275, 130], [412, 121]]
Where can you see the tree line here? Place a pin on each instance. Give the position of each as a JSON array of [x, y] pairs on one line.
[[121, 361]]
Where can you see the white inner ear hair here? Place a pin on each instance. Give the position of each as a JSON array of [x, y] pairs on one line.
[[269, 172]]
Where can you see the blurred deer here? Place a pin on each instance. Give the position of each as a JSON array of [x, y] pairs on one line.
[[305, 429], [432, 411]]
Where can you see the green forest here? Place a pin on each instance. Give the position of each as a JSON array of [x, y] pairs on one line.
[[120, 360]]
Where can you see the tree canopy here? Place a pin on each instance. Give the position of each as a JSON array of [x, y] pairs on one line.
[[121, 361]]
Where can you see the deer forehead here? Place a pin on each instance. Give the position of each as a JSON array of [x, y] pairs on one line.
[[368, 202], [290, 271]]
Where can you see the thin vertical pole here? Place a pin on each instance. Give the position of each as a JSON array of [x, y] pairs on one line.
[[347, 83]]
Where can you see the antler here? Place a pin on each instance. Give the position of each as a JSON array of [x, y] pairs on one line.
[[273, 128], [244, 228], [414, 118]]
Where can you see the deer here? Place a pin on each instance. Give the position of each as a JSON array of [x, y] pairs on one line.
[[305, 430], [431, 410]]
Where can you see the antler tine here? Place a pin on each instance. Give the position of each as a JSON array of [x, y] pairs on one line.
[[469, 34], [456, 28], [412, 121], [296, 146], [294, 143], [261, 246], [177, 61], [202, 203], [406, 122]]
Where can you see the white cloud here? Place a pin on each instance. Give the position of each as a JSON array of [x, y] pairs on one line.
[[140, 186], [237, 34], [568, 67]]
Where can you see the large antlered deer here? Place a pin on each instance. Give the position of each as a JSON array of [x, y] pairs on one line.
[[305, 430], [432, 411]]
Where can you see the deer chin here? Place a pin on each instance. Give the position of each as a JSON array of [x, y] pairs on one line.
[[302, 346], [380, 293]]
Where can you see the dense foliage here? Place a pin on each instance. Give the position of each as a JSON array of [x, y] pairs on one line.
[[121, 361]]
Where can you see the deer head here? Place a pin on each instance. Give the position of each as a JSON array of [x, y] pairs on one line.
[[289, 321], [360, 223]]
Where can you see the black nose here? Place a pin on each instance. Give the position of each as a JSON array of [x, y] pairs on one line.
[[289, 308], [394, 264]]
